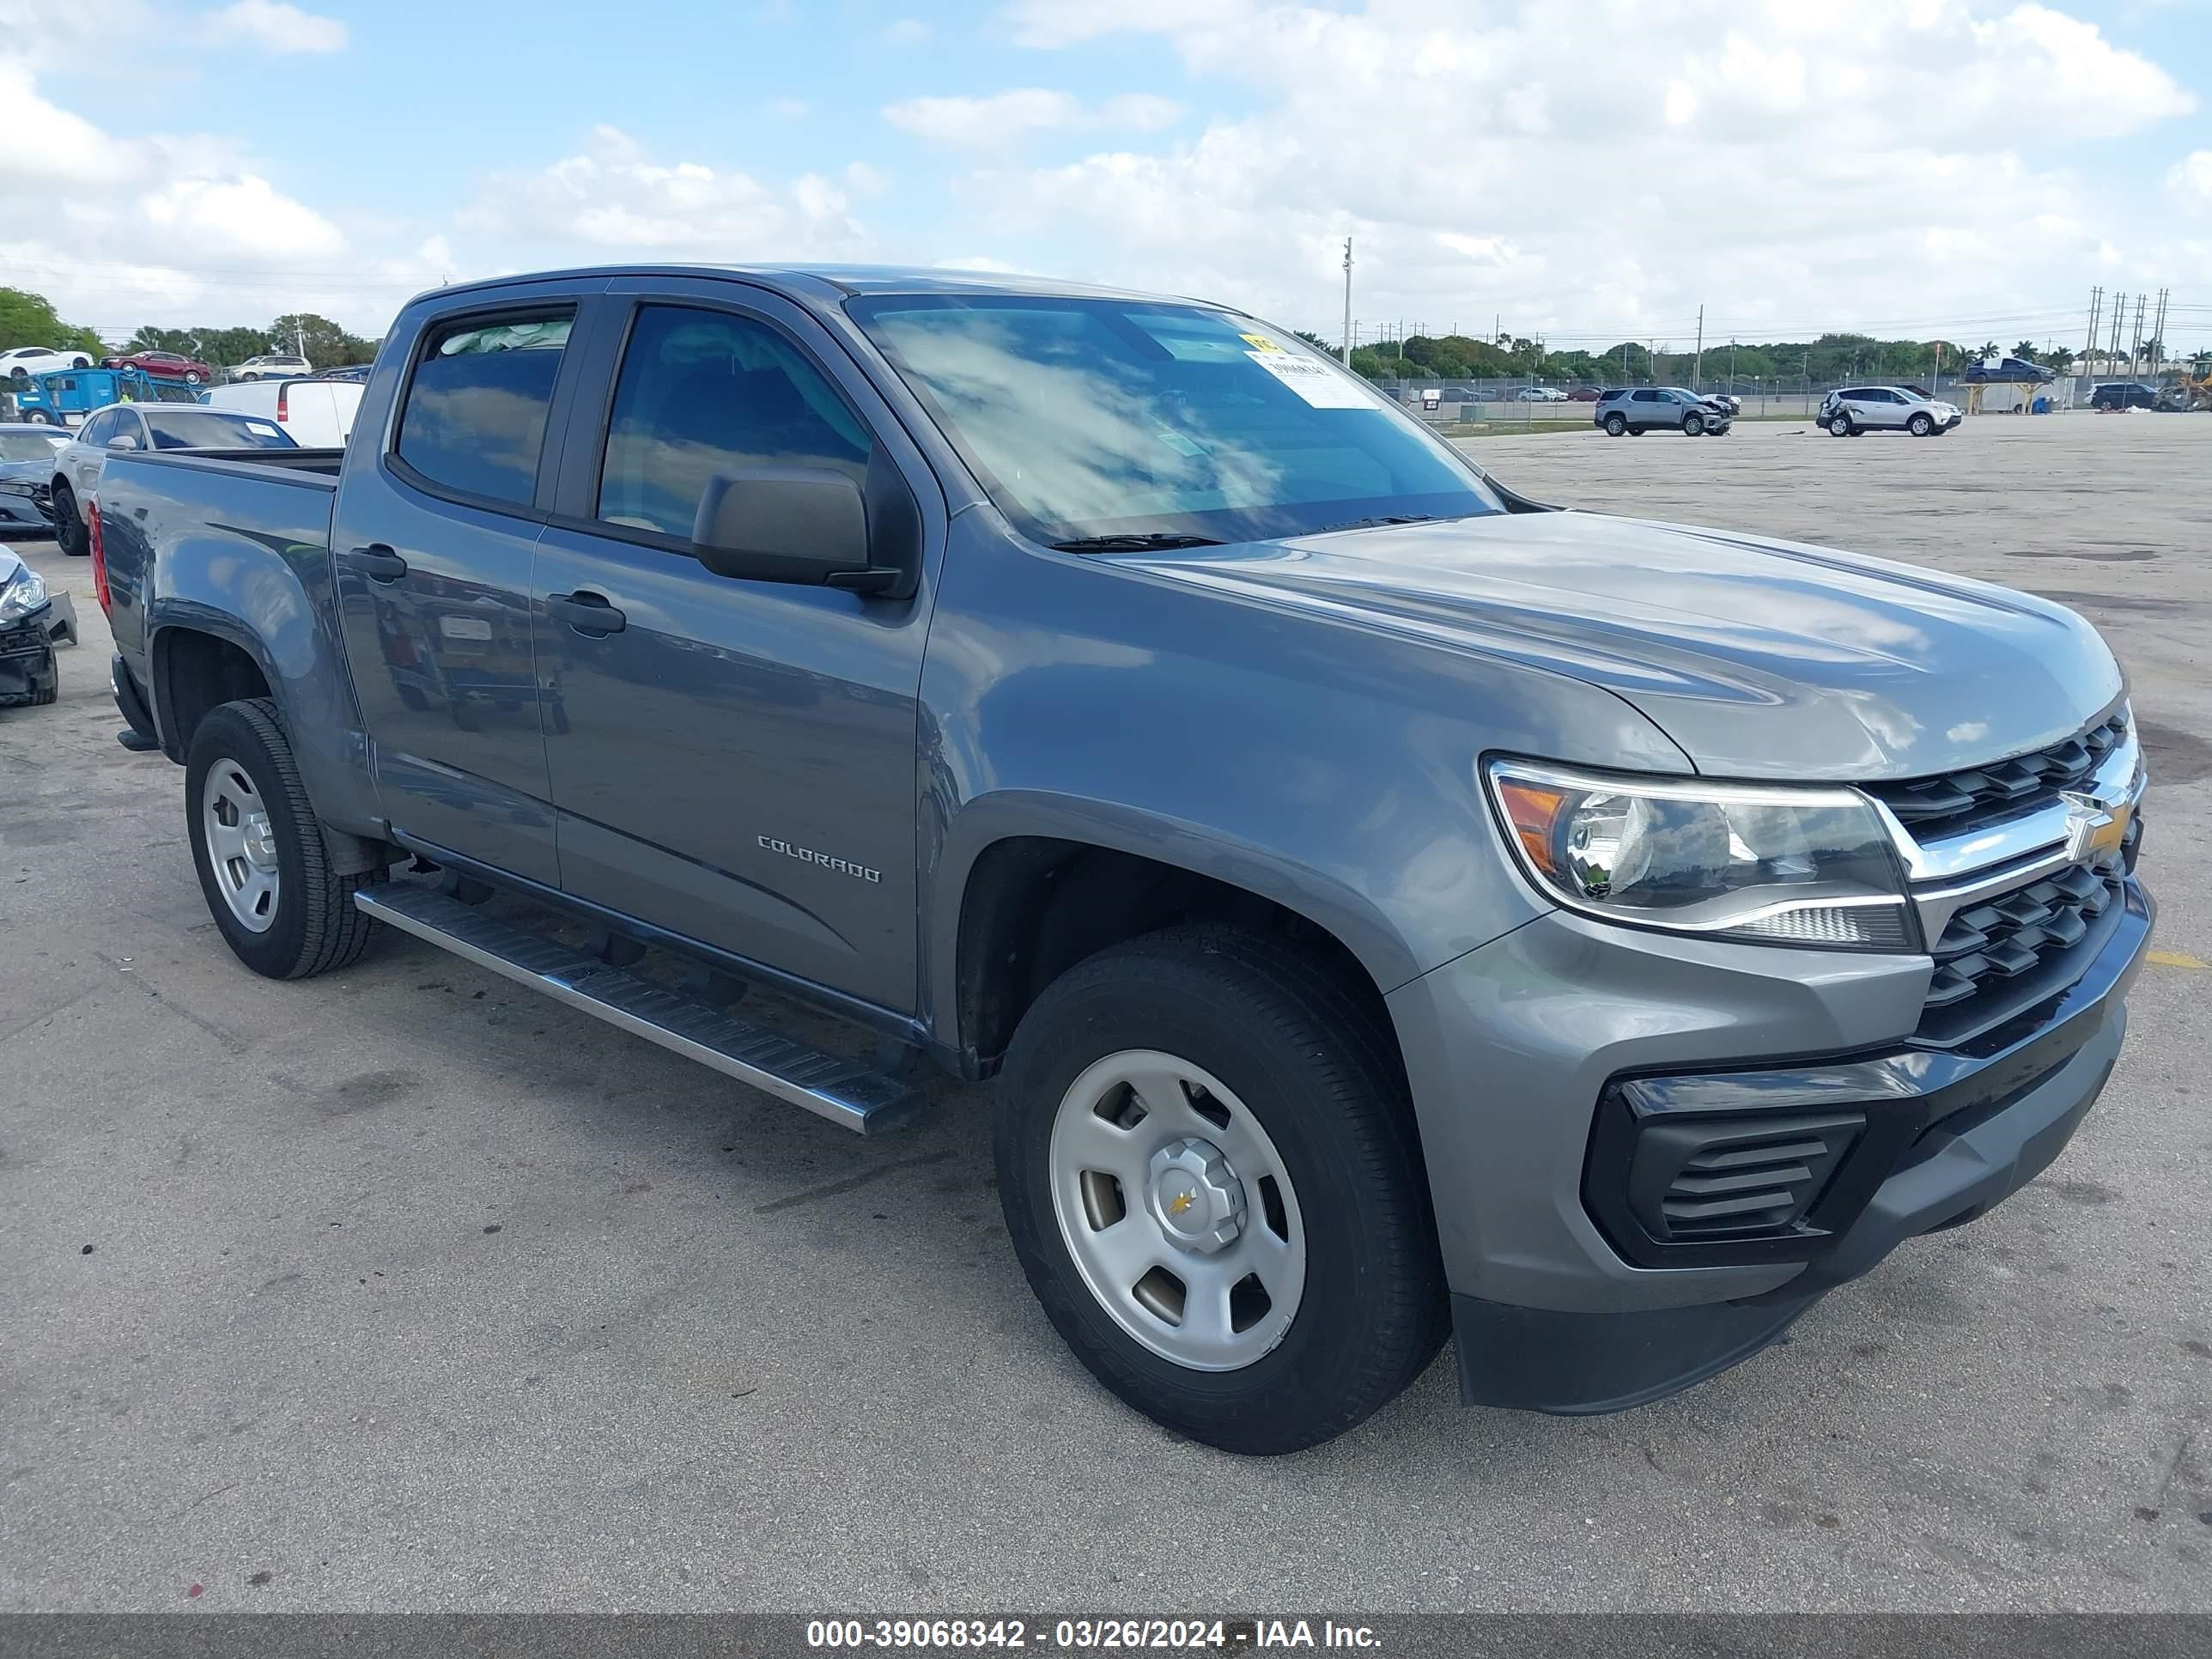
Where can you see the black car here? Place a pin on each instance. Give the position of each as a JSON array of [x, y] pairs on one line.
[[2124, 394], [26, 644]]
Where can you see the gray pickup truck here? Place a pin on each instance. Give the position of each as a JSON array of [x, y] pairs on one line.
[[1389, 908]]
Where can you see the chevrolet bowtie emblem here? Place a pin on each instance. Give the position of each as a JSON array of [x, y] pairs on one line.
[[2094, 827], [1179, 1203]]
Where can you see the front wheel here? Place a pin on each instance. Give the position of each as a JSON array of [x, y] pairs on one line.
[[1614, 426], [1693, 425], [69, 534], [39, 417], [80, 363], [1920, 426], [1210, 1172], [261, 862]]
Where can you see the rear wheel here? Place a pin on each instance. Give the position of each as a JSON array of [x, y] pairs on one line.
[[1210, 1172], [191, 377], [262, 862], [1614, 426], [69, 533], [1839, 425]]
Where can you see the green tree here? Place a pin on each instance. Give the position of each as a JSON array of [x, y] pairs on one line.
[[319, 339], [2026, 351], [27, 318]]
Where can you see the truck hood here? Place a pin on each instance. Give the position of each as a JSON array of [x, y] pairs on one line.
[[1759, 659]]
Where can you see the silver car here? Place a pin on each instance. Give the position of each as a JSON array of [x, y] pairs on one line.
[[144, 426], [1851, 410]]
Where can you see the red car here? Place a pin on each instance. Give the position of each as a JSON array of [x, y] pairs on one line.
[[1585, 394], [163, 365]]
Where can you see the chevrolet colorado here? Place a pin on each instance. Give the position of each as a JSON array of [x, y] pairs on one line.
[[1388, 907]]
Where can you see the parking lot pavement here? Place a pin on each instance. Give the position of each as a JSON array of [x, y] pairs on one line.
[[403, 1288]]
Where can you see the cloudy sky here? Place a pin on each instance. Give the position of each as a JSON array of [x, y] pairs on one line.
[[1585, 169]]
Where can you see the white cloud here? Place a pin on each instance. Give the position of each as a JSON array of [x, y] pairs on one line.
[[276, 27], [613, 198], [2190, 181], [1606, 169], [1003, 118]]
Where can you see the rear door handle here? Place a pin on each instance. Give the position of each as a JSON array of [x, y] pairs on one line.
[[378, 562], [588, 613]]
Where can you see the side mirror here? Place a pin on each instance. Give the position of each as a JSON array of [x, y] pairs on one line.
[[788, 524], [122, 441]]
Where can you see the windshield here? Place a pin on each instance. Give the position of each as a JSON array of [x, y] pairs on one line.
[[31, 446], [208, 429], [1111, 418]]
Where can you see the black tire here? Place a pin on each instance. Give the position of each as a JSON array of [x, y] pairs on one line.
[[1920, 426], [1635, 431], [1614, 426], [191, 377], [1840, 426], [1275, 1026], [80, 363], [1693, 425], [44, 695], [317, 927], [70, 532]]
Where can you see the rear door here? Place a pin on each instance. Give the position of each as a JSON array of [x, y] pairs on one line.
[[439, 507], [733, 761], [1646, 408]]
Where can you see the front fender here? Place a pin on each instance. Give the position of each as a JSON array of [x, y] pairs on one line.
[[1327, 767]]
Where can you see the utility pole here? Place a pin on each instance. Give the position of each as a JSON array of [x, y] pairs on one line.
[[1731, 368], [1347, 302], [2158, 333], [2096, 305], [1698, 363], [2136, 339]]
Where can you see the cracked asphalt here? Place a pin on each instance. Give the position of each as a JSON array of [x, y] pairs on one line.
[[402, 1289]]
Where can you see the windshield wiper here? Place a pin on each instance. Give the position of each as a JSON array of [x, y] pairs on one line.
[[1134, 544], [1369, 524]]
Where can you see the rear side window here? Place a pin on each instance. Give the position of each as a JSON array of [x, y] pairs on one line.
[[98, 429], [1645, 398], [705, 392], [475, 419]]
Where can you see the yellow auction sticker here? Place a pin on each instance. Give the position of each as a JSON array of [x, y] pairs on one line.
[[1260, 343]]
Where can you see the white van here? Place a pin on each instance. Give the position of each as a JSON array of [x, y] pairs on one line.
[[318, 414]]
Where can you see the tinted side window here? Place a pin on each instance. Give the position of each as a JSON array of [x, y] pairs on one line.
[[98, 429], [475, 419], [703, 392], [1645, 398]]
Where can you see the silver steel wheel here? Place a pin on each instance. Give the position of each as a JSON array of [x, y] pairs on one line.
[[1177, 1210], [240, 849]]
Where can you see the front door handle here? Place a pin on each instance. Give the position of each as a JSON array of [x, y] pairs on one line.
[[378, 562], [588, 613]]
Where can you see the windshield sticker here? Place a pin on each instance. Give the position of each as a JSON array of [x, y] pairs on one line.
[[1259, 342], [1180, 442], [1314, 381]]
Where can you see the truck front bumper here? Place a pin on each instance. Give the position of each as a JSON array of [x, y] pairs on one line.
[[1566, 1074]]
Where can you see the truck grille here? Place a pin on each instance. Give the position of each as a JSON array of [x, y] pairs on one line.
[[1959, 803], [2010, 952]]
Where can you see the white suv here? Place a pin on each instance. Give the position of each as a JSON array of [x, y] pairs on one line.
[[278, 366], [1851, 410]]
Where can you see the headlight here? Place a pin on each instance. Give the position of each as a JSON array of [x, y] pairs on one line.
[[1767, 866], [24, 593]]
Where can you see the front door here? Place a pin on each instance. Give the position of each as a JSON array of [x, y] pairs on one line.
[[733, 761], [438, 518]]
